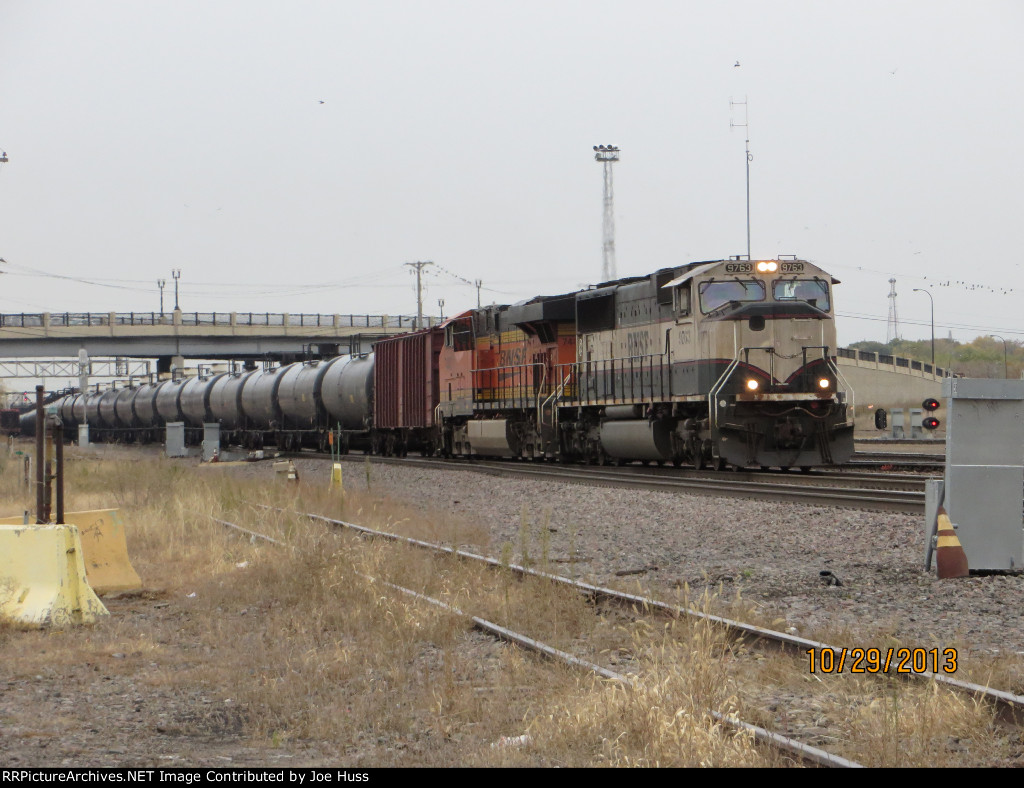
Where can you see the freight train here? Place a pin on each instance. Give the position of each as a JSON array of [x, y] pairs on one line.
[[727, 363]]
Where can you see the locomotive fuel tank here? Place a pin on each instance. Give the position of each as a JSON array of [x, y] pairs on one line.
[[168, 401], [347, 391], [637, 439], [298, 392], [490, 438], [259, 398], [225, 399]]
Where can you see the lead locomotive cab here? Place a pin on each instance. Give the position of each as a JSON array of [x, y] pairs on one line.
[[728, 362]]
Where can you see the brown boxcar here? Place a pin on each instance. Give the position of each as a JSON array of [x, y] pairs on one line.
[[406, 387]]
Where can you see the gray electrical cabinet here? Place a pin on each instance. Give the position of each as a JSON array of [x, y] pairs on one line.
[[985, 469], [896, 424], [175, 446], [211, 441]]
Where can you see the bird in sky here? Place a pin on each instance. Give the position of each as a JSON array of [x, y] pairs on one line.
[[736, 64], [322, 101]]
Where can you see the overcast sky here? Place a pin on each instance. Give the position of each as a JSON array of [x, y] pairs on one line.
[[292, 156]]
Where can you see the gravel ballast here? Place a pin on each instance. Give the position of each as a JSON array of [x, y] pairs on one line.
[[771, 553]]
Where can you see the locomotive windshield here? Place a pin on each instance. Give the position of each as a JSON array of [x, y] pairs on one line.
[[813, 291], [717, 294]]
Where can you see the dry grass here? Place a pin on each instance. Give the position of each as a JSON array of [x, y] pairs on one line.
[[297, 650]]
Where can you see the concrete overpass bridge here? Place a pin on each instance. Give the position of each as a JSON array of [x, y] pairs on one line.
[[207, 335], [878, 380]]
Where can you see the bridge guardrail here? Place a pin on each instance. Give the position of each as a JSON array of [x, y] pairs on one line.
[[892, 361], [72, 319]]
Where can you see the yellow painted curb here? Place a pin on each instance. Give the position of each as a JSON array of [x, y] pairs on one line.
[[104, 549], [42, 577]]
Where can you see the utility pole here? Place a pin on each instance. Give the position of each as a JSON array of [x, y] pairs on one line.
[[176, 273], [478, 283], [419, 266], [160, 283], [996, 336], [608, 155], [440, 306], [932, 300]]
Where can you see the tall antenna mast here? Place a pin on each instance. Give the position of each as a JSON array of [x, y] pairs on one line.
[[749, 157], [419, 266], [893, 328], [608, 155]]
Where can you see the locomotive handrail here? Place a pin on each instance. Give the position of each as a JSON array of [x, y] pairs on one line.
[[852, 413], [719, 385], [636, 365], [556, 393], [512, 400]]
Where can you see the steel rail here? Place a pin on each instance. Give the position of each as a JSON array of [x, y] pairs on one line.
[[763, 736], [1007, 703], [722, 484]]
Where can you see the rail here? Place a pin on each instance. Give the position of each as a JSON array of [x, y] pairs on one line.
[[90, 319]]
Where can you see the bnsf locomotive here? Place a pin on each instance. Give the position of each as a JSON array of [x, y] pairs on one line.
[[721, 363]]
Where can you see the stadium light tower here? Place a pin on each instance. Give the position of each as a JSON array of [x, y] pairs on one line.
[[608, 155]]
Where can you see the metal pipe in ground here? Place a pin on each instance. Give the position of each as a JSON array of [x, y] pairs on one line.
[[58, 438], [40, 427], [48, 473]]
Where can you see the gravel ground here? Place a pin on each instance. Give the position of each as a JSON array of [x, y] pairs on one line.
[[771, 553]]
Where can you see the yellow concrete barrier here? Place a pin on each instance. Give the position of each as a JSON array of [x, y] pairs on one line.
[[104, 549], [42, 577]]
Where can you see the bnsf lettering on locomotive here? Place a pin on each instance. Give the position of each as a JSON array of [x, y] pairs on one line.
[[637, 343], [512, 358], [791, 268], [738, 268]]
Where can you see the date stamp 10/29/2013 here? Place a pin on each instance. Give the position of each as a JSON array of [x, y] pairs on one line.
[[882, 660]]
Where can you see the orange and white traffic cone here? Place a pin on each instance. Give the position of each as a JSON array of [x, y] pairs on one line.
[[950, 558]]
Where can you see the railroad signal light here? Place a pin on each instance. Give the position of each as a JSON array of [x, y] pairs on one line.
[[930, 404], [930, 423], [881, 419]]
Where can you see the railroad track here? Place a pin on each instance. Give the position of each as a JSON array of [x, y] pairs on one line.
[[1007, 707], [900, 495], [803, 753], [895, 460]]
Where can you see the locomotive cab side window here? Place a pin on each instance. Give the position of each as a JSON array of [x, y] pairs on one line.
[[714, 295], [813, 291], [459, 335], [681, 300]]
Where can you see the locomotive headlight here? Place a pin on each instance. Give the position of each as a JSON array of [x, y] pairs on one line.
[[752, 385], [824, 383], [767, 267]]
